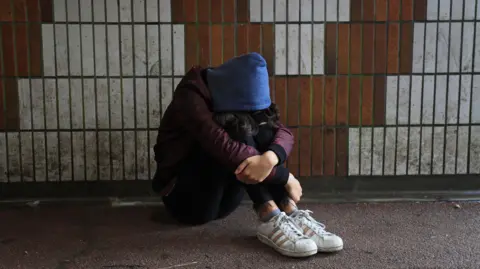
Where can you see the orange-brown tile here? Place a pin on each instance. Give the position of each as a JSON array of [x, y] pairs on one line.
[[293, 162], [341, 164], [378, 53], [26, 10], [254, 38], [228, 42], [242, 39], [216, 11], [9, 113], [204, 44], [191, 39], [22, 48], [178, 13], [242, 11], [317, 100], [293, 101], [305, 151], [217, 43], [203, 8], [268, 46], [280, 97], [305, 101], [317, 151], [386, 10]]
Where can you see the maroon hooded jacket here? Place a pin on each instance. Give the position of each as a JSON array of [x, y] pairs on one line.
[[188, 120]]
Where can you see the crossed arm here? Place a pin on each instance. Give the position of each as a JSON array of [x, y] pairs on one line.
[[248, 164]]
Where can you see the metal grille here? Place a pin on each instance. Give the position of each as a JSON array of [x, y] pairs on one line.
[[369, 87]]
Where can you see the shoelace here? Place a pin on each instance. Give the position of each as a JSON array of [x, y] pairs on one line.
[[317, 227], [288, 226]]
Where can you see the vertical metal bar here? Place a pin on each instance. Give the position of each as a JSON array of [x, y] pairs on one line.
[[235, 26], [336, 127], [470, 113], [15, 60], [222, 26], [448, 87], [374, 86], [29, 72], [134, 84], [109, 85], [57, 107], [398, 92], [70, 114], [422, 98], [311, 89], [324, 126], [120, 42], [160, 57], [299, 107], [5, 108], [287, 26], [147, 83], [83, 96], [361, 86], [460, 77], [409, 93], [434, 84], [386, 75], [45, 137], [95, 88]]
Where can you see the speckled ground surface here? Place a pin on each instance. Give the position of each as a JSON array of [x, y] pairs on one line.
[[397, 235]]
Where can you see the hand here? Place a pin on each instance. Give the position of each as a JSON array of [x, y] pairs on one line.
[[255, 169], [294, 189]]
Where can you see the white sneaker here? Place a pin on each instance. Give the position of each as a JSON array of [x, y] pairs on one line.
[[326, 242], [285, 237]]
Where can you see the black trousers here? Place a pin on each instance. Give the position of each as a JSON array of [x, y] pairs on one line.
[[206, 191]]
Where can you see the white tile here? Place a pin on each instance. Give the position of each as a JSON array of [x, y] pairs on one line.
[[353, 151], [142, 103], [152, 162], [414, 146], [112, 10], [306, 8], [475, 150], [300, 10], [102, 113], [64, 103], [440, 10], [280, 7], [408, 150], [143, 148], [81, 10], [299, 49], [127, 90], [167, 89], [435, 99], [280, 49], [165, 10], [155, 107], [475, 93], [126, 48], [293, 10], [91, 155], [37, 103], [104, 156], [441, 55]]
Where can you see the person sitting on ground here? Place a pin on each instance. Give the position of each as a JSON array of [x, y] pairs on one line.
[[220, 136]]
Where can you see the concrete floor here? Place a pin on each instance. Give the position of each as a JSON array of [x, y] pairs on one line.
[[397, 235]]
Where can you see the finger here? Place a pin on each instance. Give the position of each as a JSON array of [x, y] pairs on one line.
[[241, 167]]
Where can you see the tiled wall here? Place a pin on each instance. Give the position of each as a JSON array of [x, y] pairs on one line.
[[369, 87]]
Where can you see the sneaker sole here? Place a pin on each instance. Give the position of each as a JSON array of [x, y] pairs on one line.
[[331, 249], [285, 252]]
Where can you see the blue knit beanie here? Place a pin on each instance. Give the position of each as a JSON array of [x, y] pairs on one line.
[[240, 84]]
